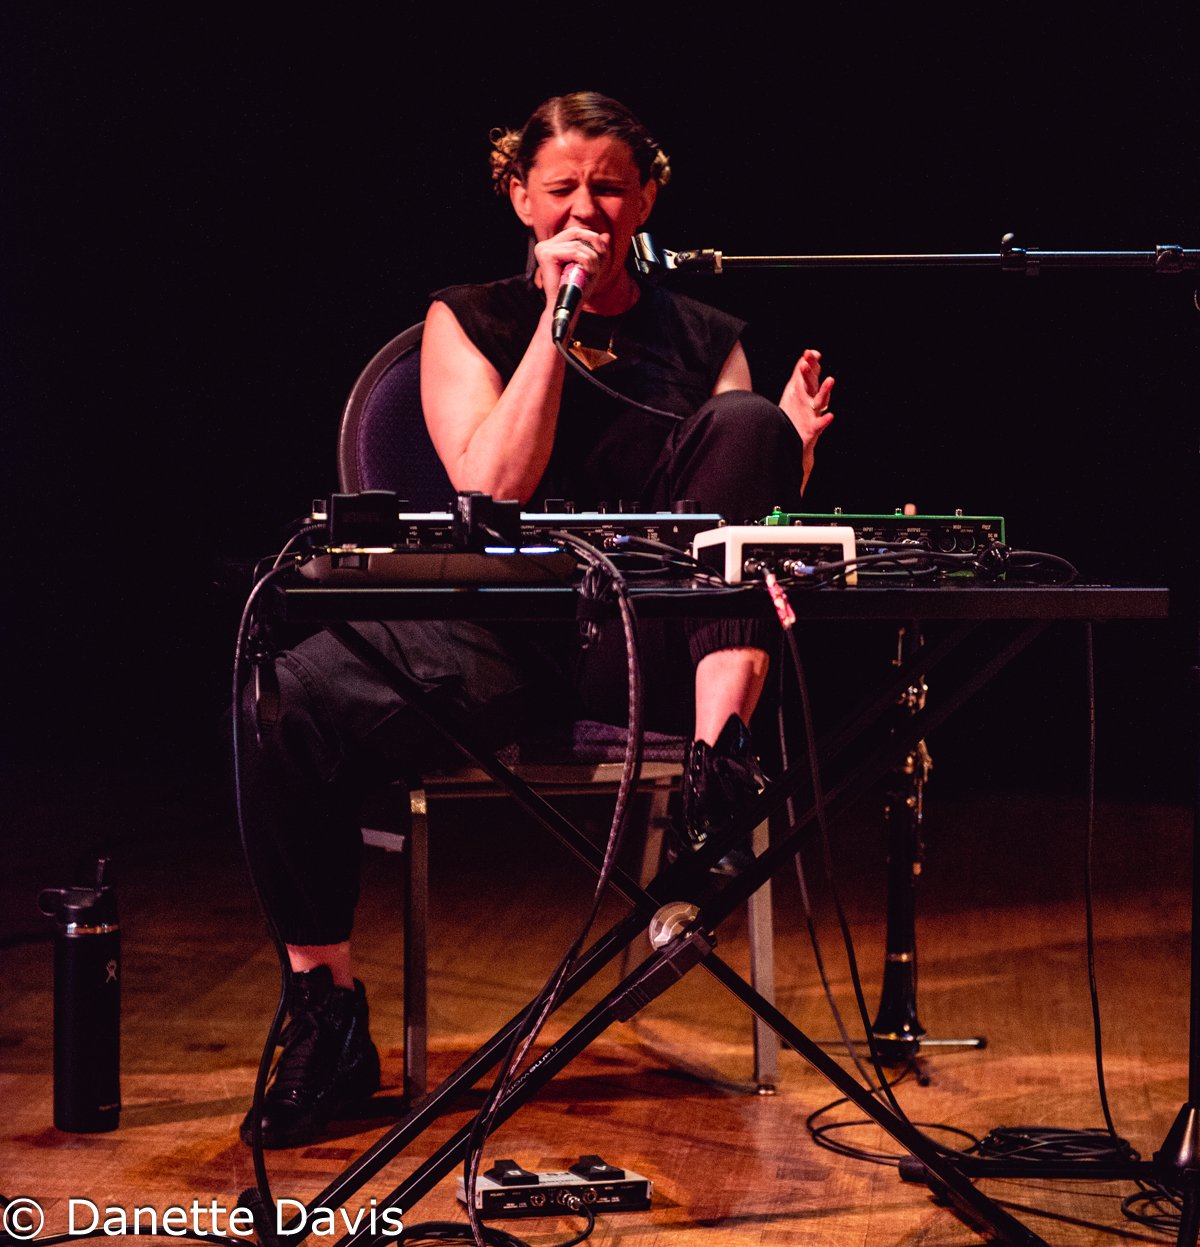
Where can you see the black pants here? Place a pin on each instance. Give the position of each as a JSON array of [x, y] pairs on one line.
[[340, 728]]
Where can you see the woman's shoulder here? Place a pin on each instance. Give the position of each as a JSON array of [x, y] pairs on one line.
[[497, 316], [495, 298], [693, 330], [693, 313]]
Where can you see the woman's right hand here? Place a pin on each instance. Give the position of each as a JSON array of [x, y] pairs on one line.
[[573, 245]]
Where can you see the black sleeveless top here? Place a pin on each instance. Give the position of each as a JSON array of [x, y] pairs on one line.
[[670, 350]]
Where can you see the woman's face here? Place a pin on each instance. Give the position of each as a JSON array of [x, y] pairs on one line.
[[589, 182]]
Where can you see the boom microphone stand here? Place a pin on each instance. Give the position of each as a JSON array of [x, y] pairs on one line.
[[1165, 258], [1177, 1162]]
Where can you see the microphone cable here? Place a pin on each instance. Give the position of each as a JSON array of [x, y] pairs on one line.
[[601, 576], [625, 399]]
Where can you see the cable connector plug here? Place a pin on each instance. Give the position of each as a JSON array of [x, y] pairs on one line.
[[779, 599]]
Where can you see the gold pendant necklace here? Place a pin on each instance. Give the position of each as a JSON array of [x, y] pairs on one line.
[[593, 357]]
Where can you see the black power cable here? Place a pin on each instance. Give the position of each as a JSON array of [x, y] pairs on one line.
[[1153, 1204], [884, 1086], [1106, 1146], [989, 563], [259, 1199], [823, 1134], [805, 898]]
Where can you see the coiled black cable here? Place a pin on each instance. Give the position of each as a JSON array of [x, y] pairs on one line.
[[602, 571]]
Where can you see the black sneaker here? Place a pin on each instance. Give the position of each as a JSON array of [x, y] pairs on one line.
[[717, 780], [328, 1062]]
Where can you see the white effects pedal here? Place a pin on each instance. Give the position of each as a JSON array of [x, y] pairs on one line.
[[743, 551]]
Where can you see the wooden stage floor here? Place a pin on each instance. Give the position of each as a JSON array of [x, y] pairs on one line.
[[1001, 941]]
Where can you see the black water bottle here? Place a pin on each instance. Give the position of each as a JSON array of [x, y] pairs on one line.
[[87, 1003]]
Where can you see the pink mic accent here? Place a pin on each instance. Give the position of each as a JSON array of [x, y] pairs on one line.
[[570, 295]]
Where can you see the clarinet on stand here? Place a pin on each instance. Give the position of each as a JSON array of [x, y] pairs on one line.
[[897, 1030]]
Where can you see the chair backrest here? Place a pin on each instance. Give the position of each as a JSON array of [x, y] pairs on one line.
[[383, 442]]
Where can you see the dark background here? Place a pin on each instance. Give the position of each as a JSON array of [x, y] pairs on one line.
[[214, 217]]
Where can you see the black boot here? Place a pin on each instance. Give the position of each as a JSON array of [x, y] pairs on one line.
[[328, 1062], [717, 780]]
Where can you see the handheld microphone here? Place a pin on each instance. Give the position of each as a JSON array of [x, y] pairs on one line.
[[570, 294]]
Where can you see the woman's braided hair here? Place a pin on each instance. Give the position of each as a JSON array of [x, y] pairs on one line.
[[592, 115]]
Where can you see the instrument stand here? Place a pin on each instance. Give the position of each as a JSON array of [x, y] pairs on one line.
[[897, 1032], [1176, 1165]]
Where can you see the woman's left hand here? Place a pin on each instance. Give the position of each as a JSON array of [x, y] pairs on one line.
[[805, 401]]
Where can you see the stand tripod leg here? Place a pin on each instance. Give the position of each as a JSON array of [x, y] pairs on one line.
[[1177, 1165], [971, 1204], [1177, 1162], [659, 971], [690, 947], [761, 924]]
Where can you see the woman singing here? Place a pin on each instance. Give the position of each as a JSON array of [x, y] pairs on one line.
[[510, 418]]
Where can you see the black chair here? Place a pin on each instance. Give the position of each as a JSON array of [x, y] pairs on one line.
[[383, 443]]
